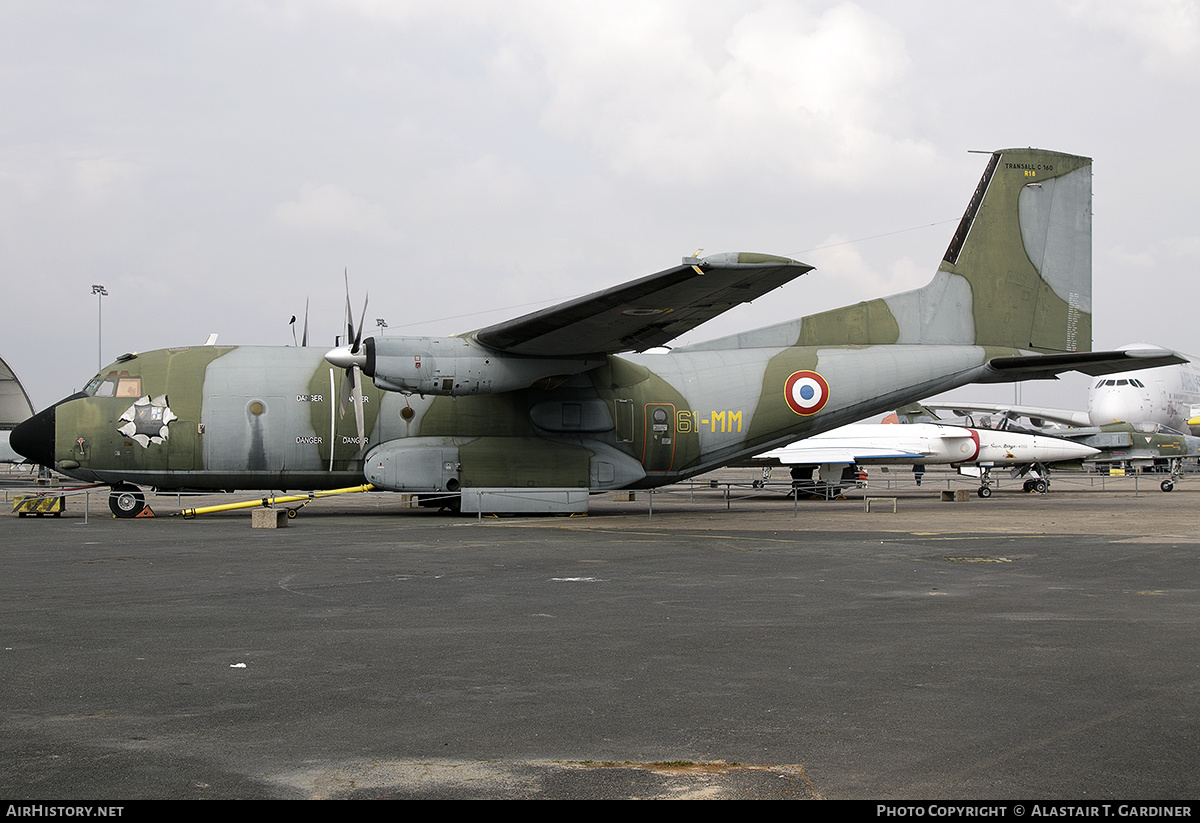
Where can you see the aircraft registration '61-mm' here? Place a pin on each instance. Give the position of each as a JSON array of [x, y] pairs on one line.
[[534, 413]]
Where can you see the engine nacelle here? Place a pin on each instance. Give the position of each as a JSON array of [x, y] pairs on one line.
[[458, 366]]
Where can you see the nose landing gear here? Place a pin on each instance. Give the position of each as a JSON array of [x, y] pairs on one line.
[[126, 500], [985, 482]]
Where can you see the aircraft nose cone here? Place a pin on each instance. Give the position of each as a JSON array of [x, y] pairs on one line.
[[34, 439], [343, 358], [1110, 404], [1078, 451]]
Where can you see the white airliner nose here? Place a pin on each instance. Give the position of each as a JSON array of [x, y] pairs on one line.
[[1127, 404], [344, 358]]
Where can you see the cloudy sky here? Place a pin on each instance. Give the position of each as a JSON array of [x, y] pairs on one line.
[[216, 164]]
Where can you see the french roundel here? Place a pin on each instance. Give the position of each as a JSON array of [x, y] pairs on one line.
[[806, 392]]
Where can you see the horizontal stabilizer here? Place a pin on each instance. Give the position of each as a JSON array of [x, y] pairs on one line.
[[1049, 366]]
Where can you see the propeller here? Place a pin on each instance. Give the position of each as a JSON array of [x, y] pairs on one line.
[[351, 358]]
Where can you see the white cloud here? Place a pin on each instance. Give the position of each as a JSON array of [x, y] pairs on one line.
[[758, 90], [330, 208], [1127, 258], [1166, 32]]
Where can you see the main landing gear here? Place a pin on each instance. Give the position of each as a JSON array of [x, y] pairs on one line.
[[1038, 481], [126, 500], [1037, 484]]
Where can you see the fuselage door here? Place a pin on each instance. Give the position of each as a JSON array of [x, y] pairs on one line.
[[623, 419], [658, 452]]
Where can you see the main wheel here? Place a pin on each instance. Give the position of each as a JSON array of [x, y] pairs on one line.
[[1040, 486], [126, 500]]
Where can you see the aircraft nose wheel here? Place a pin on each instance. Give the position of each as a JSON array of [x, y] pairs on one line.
[[1166, 485], [126, 500], [984, 492]]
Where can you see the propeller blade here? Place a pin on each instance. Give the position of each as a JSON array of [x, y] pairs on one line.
[[304, 337], [356, 387], [349, 313], [348, 357], [362, 319]]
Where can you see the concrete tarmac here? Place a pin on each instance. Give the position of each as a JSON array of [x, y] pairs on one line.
[[1025, 646]]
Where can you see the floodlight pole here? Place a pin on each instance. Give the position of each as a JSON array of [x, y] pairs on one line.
[[100, 293]]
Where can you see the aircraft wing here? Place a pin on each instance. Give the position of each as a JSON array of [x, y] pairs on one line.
[[1067, 417], [1095, 363], [647, 312], [800, 454]]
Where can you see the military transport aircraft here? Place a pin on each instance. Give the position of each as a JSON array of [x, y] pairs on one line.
[[534, 413]]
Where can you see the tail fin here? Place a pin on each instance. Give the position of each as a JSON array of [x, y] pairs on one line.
[[1017, 274], [1025, 247]]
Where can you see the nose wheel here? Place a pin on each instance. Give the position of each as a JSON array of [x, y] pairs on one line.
[[126, 500], [1176, 473], [985, 483]]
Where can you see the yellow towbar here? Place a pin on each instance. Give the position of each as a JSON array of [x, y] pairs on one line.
[[270, 502]]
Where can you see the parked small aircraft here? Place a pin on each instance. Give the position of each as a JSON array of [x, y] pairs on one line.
[[534, 413], [1140, 446], [924, 444], [1143, 445]]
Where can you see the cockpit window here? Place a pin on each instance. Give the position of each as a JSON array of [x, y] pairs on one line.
[[129, 387], [114, 385]]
